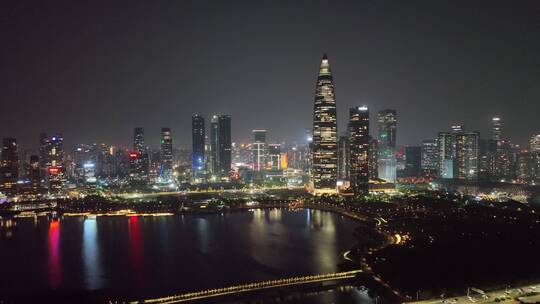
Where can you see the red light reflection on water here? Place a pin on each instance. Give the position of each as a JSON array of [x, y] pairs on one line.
[[135, 241], [55, 271]]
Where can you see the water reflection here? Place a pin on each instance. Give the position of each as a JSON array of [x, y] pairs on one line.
[[272, 229], [203, 234], [55, 271], [134, 257], [325, 246], [136, 253], [7, 225], [93, 268]]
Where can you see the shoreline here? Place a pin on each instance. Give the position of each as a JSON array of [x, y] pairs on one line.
[[522, 293], [355, 256], [368, 278]]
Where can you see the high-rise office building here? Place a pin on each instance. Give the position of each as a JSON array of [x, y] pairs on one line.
[[259, 150], [496, 128], [534, 143], [274, 155], [44, 147], [198, 137], [324, 161], [344, 160], [138, 158], [527, 166], [459, 154], [466, 155], [214, 155], [445, 143], [56, 168], [387, 144], [495, 156], [166, 156], [359, 149], [225, 146], [9, 167], [220, 146], [35, 175], [295, 157], [373, 162], [430, 157], [138, 140], [413, 160]]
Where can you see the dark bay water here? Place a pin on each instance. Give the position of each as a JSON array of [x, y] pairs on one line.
[[134, 257]]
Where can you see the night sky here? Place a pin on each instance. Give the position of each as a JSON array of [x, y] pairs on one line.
[[95, 69]]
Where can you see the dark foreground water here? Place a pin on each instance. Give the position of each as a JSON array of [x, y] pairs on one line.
[[141, 257]]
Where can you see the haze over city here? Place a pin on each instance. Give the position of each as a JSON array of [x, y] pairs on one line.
[[94, 70]]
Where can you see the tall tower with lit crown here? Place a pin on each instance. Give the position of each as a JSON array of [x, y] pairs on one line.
[[324, 145], [359, 149]]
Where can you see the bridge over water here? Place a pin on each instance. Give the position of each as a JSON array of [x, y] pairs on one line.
[[236, 289]]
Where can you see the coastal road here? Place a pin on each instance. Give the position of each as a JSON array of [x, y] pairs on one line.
[[475, 297]]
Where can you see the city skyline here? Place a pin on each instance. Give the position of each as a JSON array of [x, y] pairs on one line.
[[306, 152], [407, 68]]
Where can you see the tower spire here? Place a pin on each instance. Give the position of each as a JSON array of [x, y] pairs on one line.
[[324, 69]]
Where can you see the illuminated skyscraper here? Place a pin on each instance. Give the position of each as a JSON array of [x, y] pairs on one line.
[[166, 155], [498, 152], [198, 136], [259, 150], [9, 167], [387, 145], [459, 154], [324, 146], [56, 168], [534, 143], [497, 128], [344, 158], [44, 147], [445, 143], [430, 157], [220, 146], [35, 174], [225, 146], [295, 157], [138, 140], [274, 155], [138, 158], [466, 156], [373, 162], [214, 157], [359, 149]]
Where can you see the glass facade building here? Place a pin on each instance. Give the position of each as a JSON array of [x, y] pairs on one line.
[[324, 161], [344, 159], [166, 155], [274, 155], [387, 120], [445, 142], [220, 146], [430, 157], [197, 138], [56, 168], [9, 167], [259, 150], [359, 149], [466, 156]]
